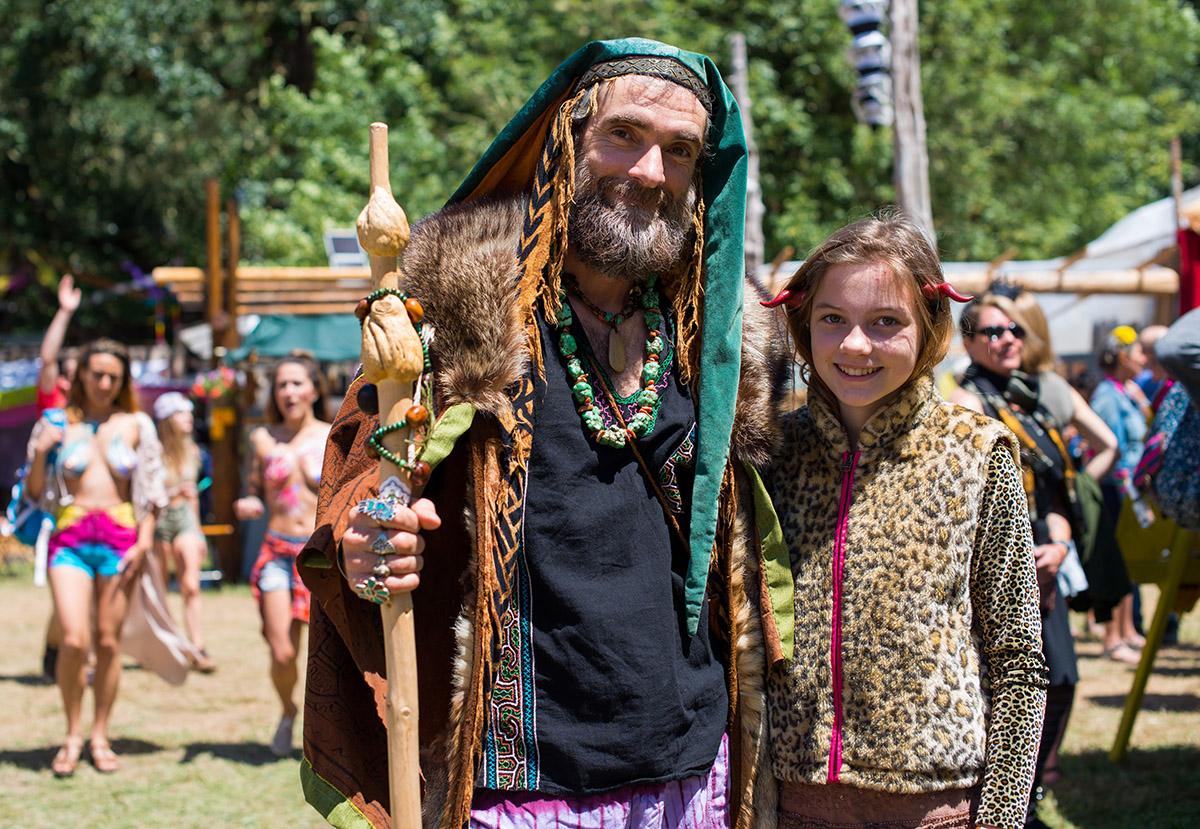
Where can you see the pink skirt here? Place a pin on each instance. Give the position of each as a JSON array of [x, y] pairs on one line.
[[695, 803]]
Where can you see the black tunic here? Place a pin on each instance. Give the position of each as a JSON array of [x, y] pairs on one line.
[[624, 693]]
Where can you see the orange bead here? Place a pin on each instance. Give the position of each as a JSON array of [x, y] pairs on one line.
[[415, 312], [362, 309], [420, 473], [416, 415]]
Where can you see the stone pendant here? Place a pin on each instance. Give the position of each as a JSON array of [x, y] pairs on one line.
[[616, 352]]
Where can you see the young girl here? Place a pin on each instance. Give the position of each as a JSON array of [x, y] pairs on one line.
[[177, 534], [285, 473], [916, 692]]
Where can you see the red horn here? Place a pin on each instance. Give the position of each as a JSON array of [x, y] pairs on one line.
[[946, 289], [787, 297]]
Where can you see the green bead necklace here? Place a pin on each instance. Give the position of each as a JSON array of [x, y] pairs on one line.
[[647, 399]]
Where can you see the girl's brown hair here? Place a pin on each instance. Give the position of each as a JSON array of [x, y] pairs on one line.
[[890, 239], [314, 374], [126, 399]]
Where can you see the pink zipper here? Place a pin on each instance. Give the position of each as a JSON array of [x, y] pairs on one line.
[[849, 463]]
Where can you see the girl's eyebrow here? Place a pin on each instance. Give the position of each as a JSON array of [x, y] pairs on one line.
[[883, 309]]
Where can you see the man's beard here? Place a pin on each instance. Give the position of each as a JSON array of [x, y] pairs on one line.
[[627, 231]]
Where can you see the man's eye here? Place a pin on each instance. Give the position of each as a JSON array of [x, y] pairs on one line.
[[681, 150], [621, 132]]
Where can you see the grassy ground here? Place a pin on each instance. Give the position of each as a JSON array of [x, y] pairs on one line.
[[196, 756]]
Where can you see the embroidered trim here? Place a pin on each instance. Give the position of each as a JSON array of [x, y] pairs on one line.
[[510, 754], [668, 476]]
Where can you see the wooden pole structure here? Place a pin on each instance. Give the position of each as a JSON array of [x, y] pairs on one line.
[[739, 81], [230, 337], [215, 303], [392, 358], [911, 159]]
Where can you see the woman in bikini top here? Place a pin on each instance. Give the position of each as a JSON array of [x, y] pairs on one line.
[[284, 476], [105, 487]]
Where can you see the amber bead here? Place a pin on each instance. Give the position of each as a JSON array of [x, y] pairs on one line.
[[652, 358], [372, 452], [416, 415], [415, 312], [420, 473], [362, 309]]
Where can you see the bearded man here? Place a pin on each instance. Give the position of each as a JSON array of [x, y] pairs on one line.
[[590, 642]]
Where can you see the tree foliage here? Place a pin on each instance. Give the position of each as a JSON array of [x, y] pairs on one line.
[[1046, 120]]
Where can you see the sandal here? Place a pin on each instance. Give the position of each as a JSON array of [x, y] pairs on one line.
[[67, 758], [1122, 653], [203, 663], [104, 759]]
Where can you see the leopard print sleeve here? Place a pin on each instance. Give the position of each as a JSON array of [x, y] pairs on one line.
[[1004, 597]]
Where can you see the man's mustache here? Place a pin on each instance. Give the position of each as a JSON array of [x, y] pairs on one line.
[[618, 192]]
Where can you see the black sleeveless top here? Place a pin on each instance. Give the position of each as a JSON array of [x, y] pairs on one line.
[[624, 694]]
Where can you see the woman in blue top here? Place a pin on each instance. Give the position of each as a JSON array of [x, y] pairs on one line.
[[1121, 359]]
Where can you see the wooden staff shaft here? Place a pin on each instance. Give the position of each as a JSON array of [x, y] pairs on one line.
[[399, 638]]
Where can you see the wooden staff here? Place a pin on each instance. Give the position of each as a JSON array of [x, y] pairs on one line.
[[392, 359]]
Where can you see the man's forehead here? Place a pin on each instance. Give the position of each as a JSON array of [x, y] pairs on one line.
[[653, 97]]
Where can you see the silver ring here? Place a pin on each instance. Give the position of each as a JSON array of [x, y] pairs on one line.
[[378, 509], [373, 590], [382, 545], [381, 570]]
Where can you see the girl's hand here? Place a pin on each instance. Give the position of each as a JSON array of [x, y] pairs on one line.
[[50, 437], [248, 508], [131, 563]]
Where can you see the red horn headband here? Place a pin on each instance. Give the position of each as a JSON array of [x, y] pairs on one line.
[[787, 296], [946, 289]]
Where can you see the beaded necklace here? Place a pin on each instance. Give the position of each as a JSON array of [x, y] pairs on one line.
[[616, 347], [642, 422]]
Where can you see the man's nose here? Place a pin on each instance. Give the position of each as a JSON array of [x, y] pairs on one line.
[[649, 171]]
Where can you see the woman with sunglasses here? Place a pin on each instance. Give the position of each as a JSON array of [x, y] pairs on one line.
[[994, 333]]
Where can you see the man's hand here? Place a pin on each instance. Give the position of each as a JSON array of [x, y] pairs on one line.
[[68, 295], [402, 531]]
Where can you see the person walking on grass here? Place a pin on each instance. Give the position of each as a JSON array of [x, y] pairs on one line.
[[177, 535], [284, 475], [105, 487]]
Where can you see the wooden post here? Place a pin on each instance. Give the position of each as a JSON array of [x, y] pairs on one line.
[[739, 81], [230, 337], [392, 359], [911, 159], [225, 442], [214, 299]]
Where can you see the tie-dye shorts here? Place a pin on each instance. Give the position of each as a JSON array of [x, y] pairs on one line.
[[93, 542]]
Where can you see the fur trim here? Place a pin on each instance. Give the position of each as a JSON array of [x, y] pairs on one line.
[[760, 792], [461, 264]]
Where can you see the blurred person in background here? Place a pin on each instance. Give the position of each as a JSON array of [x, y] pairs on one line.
[[177, 534], [284, 475], [54, 381], [1120, 403], [995, 333], [1154, 380], [105, 488]]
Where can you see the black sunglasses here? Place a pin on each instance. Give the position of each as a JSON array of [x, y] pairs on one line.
[[995, 332]]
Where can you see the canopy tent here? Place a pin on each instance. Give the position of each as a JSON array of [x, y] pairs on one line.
[[327, 337]]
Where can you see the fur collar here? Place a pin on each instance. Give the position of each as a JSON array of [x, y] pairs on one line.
[[461, 264]]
